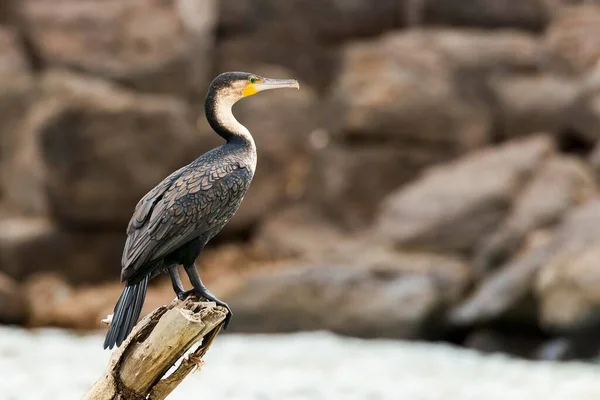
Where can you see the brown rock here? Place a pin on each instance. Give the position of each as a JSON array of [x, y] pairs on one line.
[[302, 35], [17, 94], [557, 271], [476, 50], [505, 293], [583, 115], [391, 297], [16, 87], [513, 342], [569, 45], [153, 46], [13, 62], [393, 105], [317, 19], [526, 14], [594, 161], [299, 232], [533, 103], [567, 284], [53, 302], [13, 309], [225, 263], [385, 126], [33, 245], [348, 182], [7, 12], [560, 184], [453, 207], [88, 151]]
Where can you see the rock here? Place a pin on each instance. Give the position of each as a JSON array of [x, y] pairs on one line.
[[87, 151], [54, 302], [569, 44], [17, 94], [7, 12], [558, 272], [226, 262], [394, 107], [594, 161], [17, 89], [560, 184], [348, 182], [383, 126], [516, 343], [475, 50], [533, 103], [331, 20], [582, 117], [299, 232], [35, 245], [153, 46], [301, 35], [453, 207], [570, 349], [13, 62], [567, 284], [13, 309], [529, 14], [506, 293], [392, 297]]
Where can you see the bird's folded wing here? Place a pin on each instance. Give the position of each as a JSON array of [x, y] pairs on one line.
[[147, 203], [193, 204]]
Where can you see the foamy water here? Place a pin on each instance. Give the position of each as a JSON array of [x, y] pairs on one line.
[[54, 364]]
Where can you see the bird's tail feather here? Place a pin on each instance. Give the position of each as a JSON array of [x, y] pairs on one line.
[[126, 313]]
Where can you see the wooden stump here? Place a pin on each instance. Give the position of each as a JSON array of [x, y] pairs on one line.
[[137, 368]]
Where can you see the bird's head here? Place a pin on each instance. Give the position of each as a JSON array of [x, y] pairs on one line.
[[233, 86]]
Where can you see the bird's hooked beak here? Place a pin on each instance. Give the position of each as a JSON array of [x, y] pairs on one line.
[[267, 84]]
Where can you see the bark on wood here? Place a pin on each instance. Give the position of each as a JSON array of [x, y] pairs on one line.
[[137, 368]]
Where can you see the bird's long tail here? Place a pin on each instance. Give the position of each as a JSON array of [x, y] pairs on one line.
[[126, 313]]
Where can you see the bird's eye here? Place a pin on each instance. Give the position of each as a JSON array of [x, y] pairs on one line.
[[252, 79]]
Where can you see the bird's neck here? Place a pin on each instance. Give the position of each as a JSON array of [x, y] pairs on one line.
[[221, 119]]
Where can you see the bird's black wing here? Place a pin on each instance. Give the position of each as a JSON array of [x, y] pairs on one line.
[[146, 204], [195, 201]]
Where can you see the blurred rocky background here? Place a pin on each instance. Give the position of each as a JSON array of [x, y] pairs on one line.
[[435, 178]]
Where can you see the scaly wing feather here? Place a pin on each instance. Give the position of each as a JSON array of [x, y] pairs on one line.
[[195, 202]]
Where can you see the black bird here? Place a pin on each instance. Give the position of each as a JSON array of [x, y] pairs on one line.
[[173, 222]]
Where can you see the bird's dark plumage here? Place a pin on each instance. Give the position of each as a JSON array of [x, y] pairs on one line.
[[194, 202], [173, 222]]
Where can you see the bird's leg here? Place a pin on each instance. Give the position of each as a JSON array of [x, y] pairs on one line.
[[176, 281], [201, 290]]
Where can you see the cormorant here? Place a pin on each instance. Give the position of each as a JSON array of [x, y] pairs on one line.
[[173, 222]]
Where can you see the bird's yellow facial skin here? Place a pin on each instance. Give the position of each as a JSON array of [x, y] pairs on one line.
[[251, 88]]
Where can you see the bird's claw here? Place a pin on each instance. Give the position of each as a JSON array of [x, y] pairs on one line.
[[228, 317], [185, 294], [229, 312]]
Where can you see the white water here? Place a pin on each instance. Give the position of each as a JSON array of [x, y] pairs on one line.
[[52, 364]]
